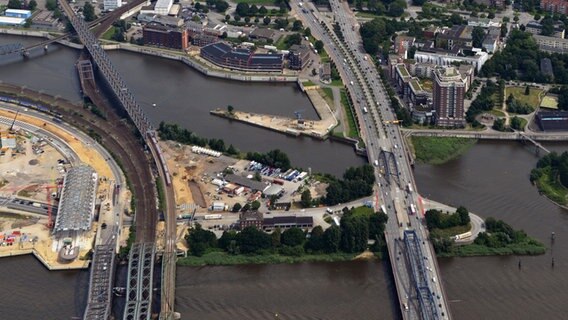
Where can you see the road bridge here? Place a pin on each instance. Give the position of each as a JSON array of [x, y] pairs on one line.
[[362, 80], [101, 279]]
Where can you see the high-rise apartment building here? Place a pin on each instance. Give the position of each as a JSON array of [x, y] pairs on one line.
[[448, 95]]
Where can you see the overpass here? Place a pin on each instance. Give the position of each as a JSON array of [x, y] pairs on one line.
[[533, 137], [142, 254]]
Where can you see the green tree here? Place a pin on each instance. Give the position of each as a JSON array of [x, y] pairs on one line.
[[14, 4], [227, 17], [28, 23], [297, 25], [354, 233], [266, 21], [252, 240], [377, 223], [307, 32], [331, 239], [276, 236], [316, 242], [477, 36], [464, 215], [89, 12], [527, 90], [293, 237], [199, 240], [232, 150], [306, 199], [499, 125], [226, 239], [51, 5], [32, 5], [237, 207], [318, 45], [242, 9], [257, 176], [516, 123], [255, 205], [221, 6], [230, 108], [246, 207], [262, 11]]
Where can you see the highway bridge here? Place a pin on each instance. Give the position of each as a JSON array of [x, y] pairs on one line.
[[142, 254], [407, 242]]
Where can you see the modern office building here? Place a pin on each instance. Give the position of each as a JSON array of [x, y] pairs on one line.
[[163, 7], [155, 34], [448, 96], [110, 5], [224, 55]]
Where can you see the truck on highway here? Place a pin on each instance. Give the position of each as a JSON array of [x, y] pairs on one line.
[[409, 187], [213, 216], [412, 209], [37, 205], [364, 108], [383, 209], [351, 82], [376, 163]]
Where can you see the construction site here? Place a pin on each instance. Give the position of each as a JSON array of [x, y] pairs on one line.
[[50, 196]]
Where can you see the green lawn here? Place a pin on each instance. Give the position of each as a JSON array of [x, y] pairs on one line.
[[523, 123], [533, 99], [308, 83], [337, 83], [109, 33], [436, 150], [363, 211], [497, 113], [549, 185], [450, 232], [327, 94], [353, 131]]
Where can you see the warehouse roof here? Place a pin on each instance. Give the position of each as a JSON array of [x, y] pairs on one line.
[[77, 200]]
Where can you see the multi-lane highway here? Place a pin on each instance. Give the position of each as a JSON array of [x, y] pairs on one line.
[[415, 270]]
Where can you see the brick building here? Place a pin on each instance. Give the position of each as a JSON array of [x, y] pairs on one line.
[[155, 34], [560, 6]]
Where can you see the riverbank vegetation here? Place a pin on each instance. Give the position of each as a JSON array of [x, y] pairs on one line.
[[252, 245], [438, 150], [499, 238], [176, 133], [551, 177]]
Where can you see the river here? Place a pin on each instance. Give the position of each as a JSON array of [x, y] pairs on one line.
[[491, 180], [185, 97]]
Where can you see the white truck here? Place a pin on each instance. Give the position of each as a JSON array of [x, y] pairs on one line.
[[213, 216]]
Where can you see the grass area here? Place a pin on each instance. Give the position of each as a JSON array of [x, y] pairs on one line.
[[11, 215], [337, 83], [327, 94], [524, 123], [427, 84], [435, 150], [223, 258], [324, 56], [363, 211], [353, 131], [529, 247], [497, 112], [549, 185], [450, 232], [533, 99], [24, 193], [308, 83], [497, 104], [109, 33], [550, 102]]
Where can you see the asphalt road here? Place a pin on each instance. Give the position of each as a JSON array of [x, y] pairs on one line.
[[373, 111]]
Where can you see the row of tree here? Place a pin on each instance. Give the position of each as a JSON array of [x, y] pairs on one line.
[[436, 219], [483, 102], [351, 237], [274, 158], [516, 106], [176, 133], [357, 183], [243, 9]]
